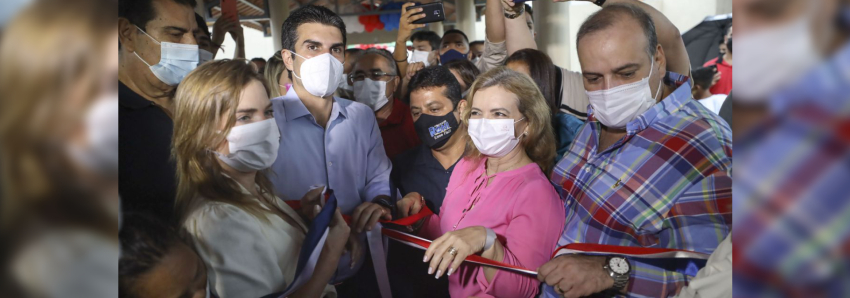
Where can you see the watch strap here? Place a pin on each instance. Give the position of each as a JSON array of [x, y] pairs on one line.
[[620, 280], [599, 2]]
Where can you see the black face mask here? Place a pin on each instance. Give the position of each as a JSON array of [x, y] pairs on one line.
[[435, 131], [729, 46]]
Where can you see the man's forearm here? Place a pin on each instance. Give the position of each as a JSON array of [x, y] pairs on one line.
[[400, 56], [494, 21]]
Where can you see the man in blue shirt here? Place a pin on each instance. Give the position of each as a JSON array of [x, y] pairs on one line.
[[326, 140]]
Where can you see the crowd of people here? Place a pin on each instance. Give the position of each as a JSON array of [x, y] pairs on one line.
[[514, 155]]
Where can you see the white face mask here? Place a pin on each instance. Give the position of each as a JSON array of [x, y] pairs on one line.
[[772, 57], [616, 107], [320, 75], [99, 153], [176, 60], [204, 56], [253, 146], [343, 83], [493, 137], [419, 56], [207, 295], [371, 93]]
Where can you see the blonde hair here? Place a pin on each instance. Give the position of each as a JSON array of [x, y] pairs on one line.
[[273, 72], [205, 102], [539, 143], [51, 70]]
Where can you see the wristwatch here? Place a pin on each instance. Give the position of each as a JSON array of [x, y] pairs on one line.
[[618, 268], [599, 2], [513, 15]]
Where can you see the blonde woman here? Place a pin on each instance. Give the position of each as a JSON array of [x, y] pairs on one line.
[[278, 83], [499, 203], [224, 141]]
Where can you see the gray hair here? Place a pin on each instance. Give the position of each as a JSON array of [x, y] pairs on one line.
[[380, 52]]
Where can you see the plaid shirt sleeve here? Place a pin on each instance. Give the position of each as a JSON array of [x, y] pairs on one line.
[[705, 208]]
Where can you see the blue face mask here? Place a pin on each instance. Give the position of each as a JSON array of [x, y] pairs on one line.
[[451, 55], [175, 62]]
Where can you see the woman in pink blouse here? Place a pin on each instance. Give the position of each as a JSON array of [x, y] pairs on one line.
[[499, 203]]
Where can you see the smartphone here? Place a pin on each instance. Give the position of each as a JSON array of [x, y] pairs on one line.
[[433, 13], [228, 8]]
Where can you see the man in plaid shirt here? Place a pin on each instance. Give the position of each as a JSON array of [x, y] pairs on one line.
[[651, 168]]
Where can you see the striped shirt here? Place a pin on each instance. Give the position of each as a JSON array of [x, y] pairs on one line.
[[666, 184]]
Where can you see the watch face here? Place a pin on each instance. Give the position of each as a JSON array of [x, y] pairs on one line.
[[619, 265]]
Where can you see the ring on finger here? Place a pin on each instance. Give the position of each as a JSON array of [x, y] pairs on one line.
[[453, 251], [558, 289]]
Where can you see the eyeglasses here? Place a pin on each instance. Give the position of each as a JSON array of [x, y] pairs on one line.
[[375, 76]]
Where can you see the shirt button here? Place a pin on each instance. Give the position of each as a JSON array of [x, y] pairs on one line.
[[330, 163]]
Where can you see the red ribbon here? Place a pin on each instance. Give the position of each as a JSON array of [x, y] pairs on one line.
[[425, 212], [646, 252]]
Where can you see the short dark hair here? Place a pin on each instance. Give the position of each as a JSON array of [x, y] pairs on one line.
[[353, 51], [380, 52], [435, 77], [258, 59], [611, 14], [703, 76], [202, 24], [144, 242], [529, 10], [455, 31], [430, 36], [468, 71], [477, 42], [308, 14], [140, 12], [543, 73]]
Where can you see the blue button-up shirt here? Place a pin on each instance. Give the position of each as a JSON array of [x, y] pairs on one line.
[[348, 156]]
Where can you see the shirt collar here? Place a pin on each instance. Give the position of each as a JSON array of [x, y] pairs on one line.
[[294, 108], [667, 106]]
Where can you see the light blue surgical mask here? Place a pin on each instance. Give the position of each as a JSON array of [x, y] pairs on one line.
[[175, 62]]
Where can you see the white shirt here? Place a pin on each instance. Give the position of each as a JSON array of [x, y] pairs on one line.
[[715, 279], [714, 102], [246, 256]]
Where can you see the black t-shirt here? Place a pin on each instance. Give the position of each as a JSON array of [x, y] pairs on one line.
[[147, 182], [416, 170]]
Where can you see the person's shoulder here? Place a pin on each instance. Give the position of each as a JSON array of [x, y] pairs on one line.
[[710, 62], [700, 128], [209, 214]]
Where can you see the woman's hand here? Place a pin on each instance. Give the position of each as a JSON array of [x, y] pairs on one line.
[[353, 246], [338, 233], [312, 203], [463, 242]]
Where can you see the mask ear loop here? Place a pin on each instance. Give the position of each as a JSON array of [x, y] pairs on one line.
[[151, 37]]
